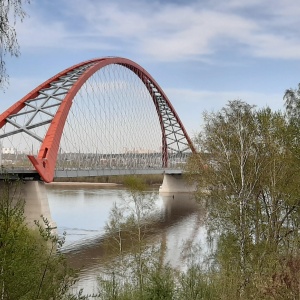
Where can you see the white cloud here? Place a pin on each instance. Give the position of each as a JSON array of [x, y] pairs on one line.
[[36, 33], [188, 103], [191, 104], [167, 31], [217, 99], [17, 89]]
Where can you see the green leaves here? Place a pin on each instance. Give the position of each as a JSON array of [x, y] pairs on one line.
[[30, 266], [8, 35], [250, 165]]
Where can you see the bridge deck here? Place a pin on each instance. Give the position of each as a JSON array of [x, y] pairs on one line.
[[33, 174]]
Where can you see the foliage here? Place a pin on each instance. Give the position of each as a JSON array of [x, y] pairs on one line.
[[127, 227], [139, 270], [292, 103], [31, 266], [251, 170], [10, 11]]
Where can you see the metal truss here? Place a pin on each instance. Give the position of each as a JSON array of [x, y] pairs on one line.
[[176, 137], [48, 98]]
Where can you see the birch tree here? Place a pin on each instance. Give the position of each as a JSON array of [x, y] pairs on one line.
[[10, 12], [252, 173]]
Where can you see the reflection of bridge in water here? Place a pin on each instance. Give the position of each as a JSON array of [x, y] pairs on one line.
[[180, 209], [83, 210], [106, 116]]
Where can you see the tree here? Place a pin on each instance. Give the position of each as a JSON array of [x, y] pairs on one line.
[[292, 106], [292, 103], [252, 173], [31, 266], [136, 272], [10, 12]]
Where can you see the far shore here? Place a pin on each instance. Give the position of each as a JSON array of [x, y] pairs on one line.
[[102, 184]]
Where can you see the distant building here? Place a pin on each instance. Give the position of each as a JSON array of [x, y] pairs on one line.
[[9, 151], [139, 151]]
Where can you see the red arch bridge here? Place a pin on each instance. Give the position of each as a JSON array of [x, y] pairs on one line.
[[105, 116]]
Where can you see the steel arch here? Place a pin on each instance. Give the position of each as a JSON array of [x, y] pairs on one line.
[[66, 84]]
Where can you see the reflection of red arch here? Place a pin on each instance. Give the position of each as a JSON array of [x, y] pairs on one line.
[[45, 162]]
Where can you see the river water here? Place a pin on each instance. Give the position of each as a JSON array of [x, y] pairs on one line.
[[82, 212]]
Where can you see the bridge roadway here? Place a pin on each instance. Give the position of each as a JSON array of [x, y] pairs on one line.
[[67, 173], [173, 181]]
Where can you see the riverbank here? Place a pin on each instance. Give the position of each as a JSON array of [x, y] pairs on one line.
[[84, 184], [150, 179]]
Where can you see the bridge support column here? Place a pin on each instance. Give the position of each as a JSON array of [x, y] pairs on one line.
[[176, 183], [34, 194], [36, 202]]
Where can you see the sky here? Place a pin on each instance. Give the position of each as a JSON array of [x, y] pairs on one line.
[[202, 53]]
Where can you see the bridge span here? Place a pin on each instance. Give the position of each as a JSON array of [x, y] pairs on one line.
[[104, 116], [102, 113]]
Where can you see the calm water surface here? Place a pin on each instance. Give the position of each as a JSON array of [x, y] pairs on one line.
[[82, 213]]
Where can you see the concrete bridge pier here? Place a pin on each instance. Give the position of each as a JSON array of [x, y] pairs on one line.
[[34, 194], [36, 203], [176, 183]]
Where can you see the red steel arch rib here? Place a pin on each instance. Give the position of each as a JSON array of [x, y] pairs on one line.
[[173, 131]]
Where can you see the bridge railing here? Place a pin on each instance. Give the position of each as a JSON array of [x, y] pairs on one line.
[[89, 164]]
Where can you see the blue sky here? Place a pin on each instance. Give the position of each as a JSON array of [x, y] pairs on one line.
[[202, 53]]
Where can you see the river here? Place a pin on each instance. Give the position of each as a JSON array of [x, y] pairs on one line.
[[82, 213]]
